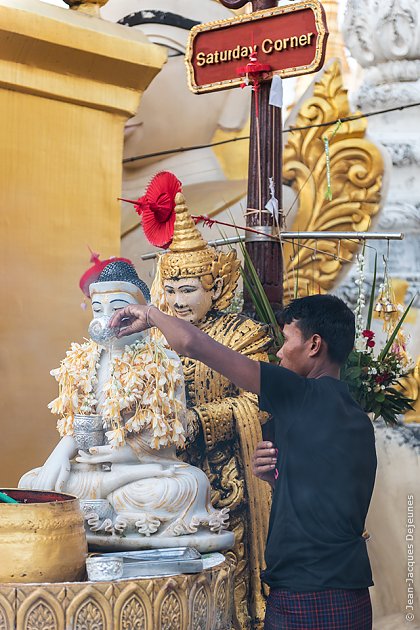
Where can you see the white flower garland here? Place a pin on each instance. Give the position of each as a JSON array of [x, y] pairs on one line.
[[143, 380], [361, 299]]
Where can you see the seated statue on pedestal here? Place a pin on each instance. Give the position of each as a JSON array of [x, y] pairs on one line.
[[123, 400]]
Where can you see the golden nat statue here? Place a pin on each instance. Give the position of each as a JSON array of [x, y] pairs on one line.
[[197, 283]]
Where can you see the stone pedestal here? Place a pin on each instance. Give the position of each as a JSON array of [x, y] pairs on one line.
[[68, 83], [201, 601]]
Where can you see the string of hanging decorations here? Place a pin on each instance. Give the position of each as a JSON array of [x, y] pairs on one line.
[[156, 209]]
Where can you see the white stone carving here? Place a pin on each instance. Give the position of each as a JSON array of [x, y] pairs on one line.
[[384, 37]]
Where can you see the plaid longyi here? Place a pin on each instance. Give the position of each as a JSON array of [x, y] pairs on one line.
[[334, 609]]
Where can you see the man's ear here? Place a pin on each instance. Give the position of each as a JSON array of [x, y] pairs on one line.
[[217, 288], [315, 345]]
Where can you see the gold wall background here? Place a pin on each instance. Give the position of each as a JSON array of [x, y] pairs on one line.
[[68, 82]]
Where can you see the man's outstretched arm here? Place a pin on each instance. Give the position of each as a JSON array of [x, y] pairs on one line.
[[188, 340]]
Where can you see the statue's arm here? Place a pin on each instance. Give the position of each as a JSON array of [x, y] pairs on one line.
[[216, 421]]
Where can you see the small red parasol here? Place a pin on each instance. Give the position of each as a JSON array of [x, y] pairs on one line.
[[254, 71], [157, 208]]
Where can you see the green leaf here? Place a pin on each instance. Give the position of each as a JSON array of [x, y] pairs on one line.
[[354, 372], [257, 294]]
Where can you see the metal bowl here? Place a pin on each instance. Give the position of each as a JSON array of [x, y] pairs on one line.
[[42, 538], [103, 568], [88, 431]]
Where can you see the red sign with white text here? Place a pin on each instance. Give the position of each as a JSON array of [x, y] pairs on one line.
[[291, 39]]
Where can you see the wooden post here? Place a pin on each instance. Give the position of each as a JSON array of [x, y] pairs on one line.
[[265, 161]]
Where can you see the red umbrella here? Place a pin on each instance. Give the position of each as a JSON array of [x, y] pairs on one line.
[[157, 208]]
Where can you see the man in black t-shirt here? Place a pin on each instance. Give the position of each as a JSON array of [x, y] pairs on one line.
[[322, 472], [317, 564]]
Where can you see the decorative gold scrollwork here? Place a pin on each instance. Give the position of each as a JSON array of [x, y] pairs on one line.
[[357, 168]]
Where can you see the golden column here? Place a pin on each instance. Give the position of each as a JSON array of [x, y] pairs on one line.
[[68, 83], [335, 48]]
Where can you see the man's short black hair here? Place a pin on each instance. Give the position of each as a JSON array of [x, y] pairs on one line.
[[327, 316]]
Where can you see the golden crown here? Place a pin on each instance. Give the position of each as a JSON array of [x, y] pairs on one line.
[[191, 256]]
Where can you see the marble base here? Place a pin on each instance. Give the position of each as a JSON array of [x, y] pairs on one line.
[[203, 542]]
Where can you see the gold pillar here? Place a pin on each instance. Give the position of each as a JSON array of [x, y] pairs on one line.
[[335, 48], [68, 82]]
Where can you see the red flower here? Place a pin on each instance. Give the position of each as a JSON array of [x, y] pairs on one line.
[[370, 343], [369, 334], [381, 378]]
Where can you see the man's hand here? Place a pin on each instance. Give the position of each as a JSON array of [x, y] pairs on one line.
[[264, 462], [131, 319]]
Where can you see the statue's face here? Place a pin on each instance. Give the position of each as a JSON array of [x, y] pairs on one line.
[[188, 299], [104, 305]]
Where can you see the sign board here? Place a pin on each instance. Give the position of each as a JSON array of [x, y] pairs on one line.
[[291, 39]]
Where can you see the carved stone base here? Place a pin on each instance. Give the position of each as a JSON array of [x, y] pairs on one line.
[[201, 601]]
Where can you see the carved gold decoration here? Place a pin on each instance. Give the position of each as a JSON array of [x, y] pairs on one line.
[[133, 606], [186, 602], [190, 256], [40, 608], [199, 605], [133, 616], [91, 606], [7, 613], [91, 7], [357, 168]]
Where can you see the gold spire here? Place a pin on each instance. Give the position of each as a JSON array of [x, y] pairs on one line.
[[91, 7], [186, 238], [189, 254]]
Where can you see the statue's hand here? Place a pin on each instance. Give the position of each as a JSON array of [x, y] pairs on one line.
[[56, 470], [105, 454]]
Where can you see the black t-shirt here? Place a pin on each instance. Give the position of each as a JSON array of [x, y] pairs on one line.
[[326, 464]]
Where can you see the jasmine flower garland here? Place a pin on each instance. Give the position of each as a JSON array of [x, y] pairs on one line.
[[143, 382]]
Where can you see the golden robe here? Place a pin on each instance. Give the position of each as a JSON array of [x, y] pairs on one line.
[[228, 429]]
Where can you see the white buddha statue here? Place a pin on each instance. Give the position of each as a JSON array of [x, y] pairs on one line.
[[134, 491]]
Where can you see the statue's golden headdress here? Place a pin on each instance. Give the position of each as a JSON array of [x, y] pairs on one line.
[[190, 256]]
